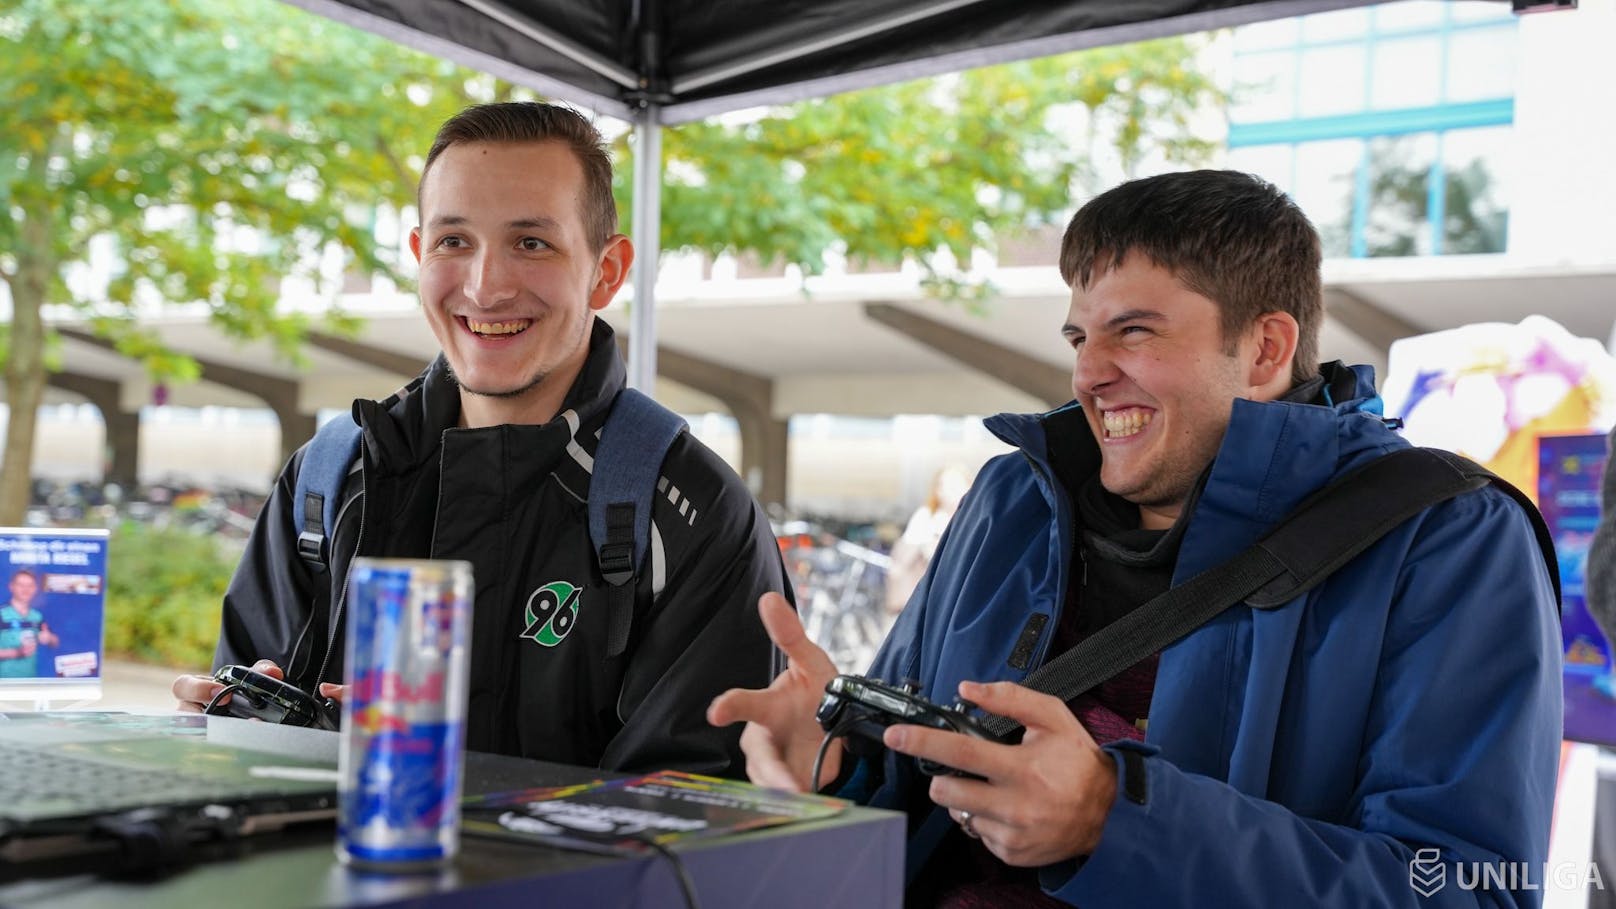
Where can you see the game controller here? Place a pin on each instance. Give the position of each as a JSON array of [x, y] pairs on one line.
[[254, 695], [863, 708]]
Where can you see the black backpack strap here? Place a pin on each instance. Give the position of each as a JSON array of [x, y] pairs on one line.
[[1326, 531], [628, 461]]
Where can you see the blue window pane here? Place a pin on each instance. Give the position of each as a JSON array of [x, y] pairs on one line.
[[1332, 80], [1264, 87], [1400, 174], [1407, 72], [1481, 64], [1326, 174], [1476, 201]]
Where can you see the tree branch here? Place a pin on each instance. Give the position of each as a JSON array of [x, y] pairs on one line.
[[397, 166]]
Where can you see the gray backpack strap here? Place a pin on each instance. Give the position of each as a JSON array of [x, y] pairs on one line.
[[628, 461], [317, 493]]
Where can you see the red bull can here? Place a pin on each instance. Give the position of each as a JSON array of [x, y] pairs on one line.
[[403, 741]]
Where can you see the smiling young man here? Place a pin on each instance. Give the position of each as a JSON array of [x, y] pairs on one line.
[[487, 457], [1299, 756]]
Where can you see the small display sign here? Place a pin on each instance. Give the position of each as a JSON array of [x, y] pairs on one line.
[[54, 612]]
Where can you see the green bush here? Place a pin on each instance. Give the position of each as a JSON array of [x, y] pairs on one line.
[[165, 588]]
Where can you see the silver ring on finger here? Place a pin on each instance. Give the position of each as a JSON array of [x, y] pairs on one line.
[[965, 825]]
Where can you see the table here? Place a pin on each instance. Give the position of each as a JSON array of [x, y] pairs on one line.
[[853, 859]]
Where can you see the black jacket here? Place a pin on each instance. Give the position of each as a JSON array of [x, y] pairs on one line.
[[510, 500]]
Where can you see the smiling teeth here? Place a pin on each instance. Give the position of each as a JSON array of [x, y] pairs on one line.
[[498, 328], [1121, 424]]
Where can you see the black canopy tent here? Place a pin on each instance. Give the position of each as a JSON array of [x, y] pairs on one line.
[[665, 62]]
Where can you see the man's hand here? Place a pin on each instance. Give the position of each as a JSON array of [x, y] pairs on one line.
[[1044, 800], [195, 691], [781, 735], [27, 647], [48, 637]]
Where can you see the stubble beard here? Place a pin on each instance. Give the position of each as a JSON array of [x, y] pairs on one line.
[[534, 382]]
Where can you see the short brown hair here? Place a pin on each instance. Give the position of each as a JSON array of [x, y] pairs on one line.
[[1230, 237], [535, 121]]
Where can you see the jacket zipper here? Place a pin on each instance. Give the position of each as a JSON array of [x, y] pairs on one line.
[[342, 597], [1055, 610]]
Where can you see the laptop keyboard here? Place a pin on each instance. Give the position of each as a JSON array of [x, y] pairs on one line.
[[40, 781]]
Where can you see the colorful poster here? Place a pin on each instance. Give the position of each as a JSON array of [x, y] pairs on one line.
[[626, 816], [1489, 390], [1569, 469], [53, 614]]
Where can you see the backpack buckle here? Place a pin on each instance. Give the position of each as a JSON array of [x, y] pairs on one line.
[[309, 545], [617, 563]]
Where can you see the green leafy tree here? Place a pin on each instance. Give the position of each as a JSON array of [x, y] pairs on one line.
[[946, 164], [171, 131], [208, 148]]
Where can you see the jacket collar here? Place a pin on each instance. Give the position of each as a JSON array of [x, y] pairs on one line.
[[1273, 455], [403, 431]]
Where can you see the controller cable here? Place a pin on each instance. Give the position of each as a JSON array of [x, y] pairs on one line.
[[687, 887], [223, 692], [836, 732]]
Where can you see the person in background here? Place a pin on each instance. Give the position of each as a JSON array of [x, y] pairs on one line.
[[913, 550]]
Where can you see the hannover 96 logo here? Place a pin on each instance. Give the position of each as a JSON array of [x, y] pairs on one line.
[[552, 610]]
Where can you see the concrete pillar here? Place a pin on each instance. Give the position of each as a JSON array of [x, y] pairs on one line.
[[281, 395], [765, 458], [123, 444], [121, 462], [765, 453]]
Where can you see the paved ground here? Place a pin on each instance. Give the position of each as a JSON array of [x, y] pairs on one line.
[[135, 685], [129, 686]]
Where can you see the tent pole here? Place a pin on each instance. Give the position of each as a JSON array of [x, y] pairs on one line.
[[647, 250]]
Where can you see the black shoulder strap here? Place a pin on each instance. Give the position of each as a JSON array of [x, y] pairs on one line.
[[1326, 531]]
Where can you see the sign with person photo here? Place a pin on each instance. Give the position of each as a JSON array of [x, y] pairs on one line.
[[53, 615]]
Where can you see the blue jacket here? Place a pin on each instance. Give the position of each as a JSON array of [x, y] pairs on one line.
[[1296, 756]]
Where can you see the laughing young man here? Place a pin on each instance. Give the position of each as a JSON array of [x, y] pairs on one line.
[[1403, 714], [486, 457]]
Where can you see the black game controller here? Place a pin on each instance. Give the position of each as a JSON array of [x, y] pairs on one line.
[[864, 708], [254, 695]]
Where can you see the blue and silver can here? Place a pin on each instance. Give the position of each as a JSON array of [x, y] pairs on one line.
[[404, 718]]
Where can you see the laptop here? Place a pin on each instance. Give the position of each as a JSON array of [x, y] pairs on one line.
[[119, 791]]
